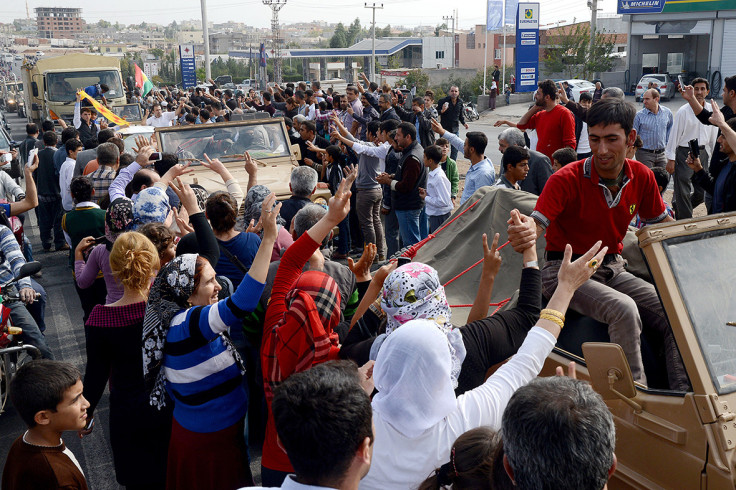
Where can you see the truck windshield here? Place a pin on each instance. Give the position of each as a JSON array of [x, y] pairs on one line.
[[62, 87], [703, 266]]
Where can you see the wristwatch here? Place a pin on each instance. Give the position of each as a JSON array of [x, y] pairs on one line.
[[531, 263]]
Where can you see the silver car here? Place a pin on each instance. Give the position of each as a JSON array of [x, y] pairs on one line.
[[662, 81]]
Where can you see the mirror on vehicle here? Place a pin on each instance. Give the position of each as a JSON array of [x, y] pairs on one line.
[[609, 370]]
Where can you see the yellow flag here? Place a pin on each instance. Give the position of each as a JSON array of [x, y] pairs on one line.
[[104, 111]]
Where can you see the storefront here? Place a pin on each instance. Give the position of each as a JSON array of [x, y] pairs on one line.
[[681, 37]]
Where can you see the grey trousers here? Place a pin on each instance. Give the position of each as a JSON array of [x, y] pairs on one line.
[[685, 200], [368, 207], [625, 303], [650, 159]]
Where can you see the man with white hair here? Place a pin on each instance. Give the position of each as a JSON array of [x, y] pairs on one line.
[[302, 184], [540, 167]]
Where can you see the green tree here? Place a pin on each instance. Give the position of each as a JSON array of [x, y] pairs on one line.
[[385, 32], [570, 53], [417, 77], [340, 38], [439, 28], [103, 24], [157, 52], [406, 34], [394, 61], [353, 32]]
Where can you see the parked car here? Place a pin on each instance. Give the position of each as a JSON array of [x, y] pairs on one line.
[[580, 86], [663, 82], [40, 54]]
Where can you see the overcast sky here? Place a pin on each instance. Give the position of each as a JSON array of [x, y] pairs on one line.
[[254, 13]]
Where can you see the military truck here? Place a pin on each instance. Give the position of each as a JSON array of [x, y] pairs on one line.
[[664, 438], [51, 84]]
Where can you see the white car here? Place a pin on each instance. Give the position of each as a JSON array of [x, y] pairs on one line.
[[663, 81], [40, 54], [580, 86]]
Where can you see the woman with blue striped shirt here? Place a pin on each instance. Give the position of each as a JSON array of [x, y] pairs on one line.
[[192, 360]]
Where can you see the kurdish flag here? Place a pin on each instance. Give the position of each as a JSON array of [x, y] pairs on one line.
[[141, 81]]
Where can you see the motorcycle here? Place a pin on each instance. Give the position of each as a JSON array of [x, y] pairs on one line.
[[470, 112], [13, 352]]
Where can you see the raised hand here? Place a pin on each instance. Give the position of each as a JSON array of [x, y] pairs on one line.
[[437, 127], [213, 164], [251, 167], [269, 213], [573, 274], [717, 118], [491, 256], [186, 195], [362, 268]]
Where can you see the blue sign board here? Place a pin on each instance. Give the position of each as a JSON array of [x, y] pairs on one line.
[[188, 66], [527, 47], [640, 6]]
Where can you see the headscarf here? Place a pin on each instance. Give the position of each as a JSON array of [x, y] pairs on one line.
[[118, 218], [412, 376], [251, 207], [413, 291], [305, 336], [169, 295], [150, 205]]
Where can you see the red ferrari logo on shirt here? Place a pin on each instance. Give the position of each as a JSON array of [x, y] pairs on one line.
[[632, 208]]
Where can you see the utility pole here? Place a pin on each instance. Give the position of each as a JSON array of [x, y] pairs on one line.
[[593, 5], [276, 5], [206, 35], [373, 40], [451, 18]]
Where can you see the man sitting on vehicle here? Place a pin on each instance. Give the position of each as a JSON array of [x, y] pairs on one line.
[[595, 199], [97, 90]]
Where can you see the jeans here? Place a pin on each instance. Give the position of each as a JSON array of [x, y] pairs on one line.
[[343, 238], [27, 249], [49, 219], [20, 317], [626, 304], [684, 201], [391, 227], [368, 207], [423, 224], [436, 221], [409, 225]]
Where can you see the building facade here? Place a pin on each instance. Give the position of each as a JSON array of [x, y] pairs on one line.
[[59, 22]]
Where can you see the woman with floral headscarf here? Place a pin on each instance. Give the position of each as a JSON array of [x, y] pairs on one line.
[[188, 356], [299, 327], [413, 291], [248, 219]]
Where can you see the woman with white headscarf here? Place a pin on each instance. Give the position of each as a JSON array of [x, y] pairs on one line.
[[417, 416]]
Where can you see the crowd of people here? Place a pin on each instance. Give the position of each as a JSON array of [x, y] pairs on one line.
[[201, 308]]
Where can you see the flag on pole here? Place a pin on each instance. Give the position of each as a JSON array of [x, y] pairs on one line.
[[494, 17], [104, 111], [510, 16], [141, 81]]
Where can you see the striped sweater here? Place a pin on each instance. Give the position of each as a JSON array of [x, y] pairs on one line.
[[14, 259], [202, 375]]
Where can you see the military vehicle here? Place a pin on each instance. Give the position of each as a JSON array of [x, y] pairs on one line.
[[664, 438], [51, 84]]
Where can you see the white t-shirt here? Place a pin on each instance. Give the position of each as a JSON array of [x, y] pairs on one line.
[[583, 143], [161, 122], [66, 173]]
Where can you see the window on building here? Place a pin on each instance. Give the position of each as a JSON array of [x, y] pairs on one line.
[[470, 41], [440, 55], [497, 54]]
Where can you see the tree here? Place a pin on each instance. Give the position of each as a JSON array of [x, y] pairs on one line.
[[340, 38], [394, 62], [157, 52], [570, 53], [417, 77], [440, 28], [354, 32], [103, 24]]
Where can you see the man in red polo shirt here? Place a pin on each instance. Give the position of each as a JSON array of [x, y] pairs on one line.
[[555, 124], [595, 199]]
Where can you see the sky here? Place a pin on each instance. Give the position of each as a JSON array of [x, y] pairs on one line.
[[254, 13]]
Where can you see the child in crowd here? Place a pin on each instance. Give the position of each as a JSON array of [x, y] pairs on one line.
[[449, 167], [663, 180], [631, 150], [437, 200], [562, 157], [48, 396], [515, 166]]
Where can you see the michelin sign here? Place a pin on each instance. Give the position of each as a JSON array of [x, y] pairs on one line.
[[527, 47], [640, 6]]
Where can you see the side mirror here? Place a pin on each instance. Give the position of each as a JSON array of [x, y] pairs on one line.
[[28, 269], [296, 151], [610, 373], [34, 89]]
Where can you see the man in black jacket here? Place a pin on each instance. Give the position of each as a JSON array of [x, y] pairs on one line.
[[308, 132], [49, 196], [417, 117], [28, 143], [722, 187], [387, 112], [451, 115]]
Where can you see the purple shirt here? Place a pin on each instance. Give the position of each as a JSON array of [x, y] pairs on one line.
[[99, 260]]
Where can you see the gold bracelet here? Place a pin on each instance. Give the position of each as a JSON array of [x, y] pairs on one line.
[[553, 319], [556, 313]]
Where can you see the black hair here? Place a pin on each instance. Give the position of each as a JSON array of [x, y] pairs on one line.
[[299, 94], [72, 145], [139, 180], [104, 87], [585, 96], [190, 118], [478, 141], [31, 128], [512, 156], [288, 122], [565, 155], [612, 111], [216, 106], [322, 416], [40, 385], [373, 127], [309, 93], [204, 115], [69, 133], [81, 189], [105, 135], [408, 129], [700, 80], [267, 96], [309, 126], [221, 209], [47, 125], [548, 87], [335, 152], [50, 138], [433, 153], [662, 177], [373, 86], [418, 101], [231, 104], [389, 125], [730, 83], [167, 161], [125, 160]]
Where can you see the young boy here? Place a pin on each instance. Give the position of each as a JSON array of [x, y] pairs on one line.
[[437, 201], [449, 167], [48, 396], [66, 173], [562, 157], [515, 166], [663, 180]]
